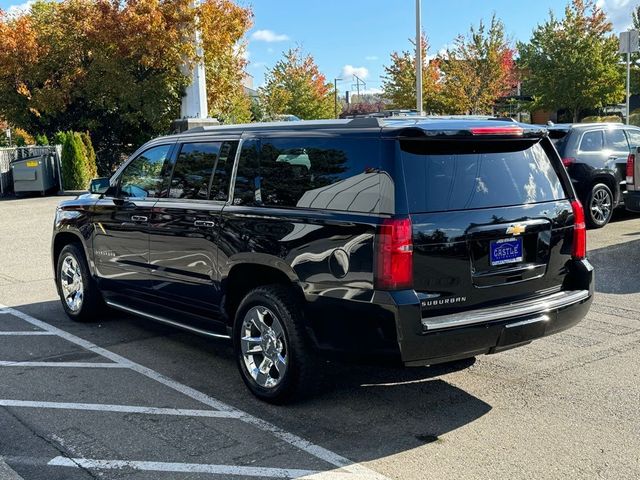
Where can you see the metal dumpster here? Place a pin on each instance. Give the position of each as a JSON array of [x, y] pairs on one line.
[[34, 174]]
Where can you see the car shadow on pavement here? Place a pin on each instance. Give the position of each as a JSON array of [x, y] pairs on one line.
[[617, 268], [361, 411]]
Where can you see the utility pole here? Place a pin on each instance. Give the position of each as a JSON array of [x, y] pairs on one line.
[[335, 97], [418, 59], [358, 80]]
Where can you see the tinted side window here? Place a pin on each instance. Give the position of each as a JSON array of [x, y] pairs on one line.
[[320, 173], [615, 140], [142, 178], [634, 138], [192, 173], [591, 141]]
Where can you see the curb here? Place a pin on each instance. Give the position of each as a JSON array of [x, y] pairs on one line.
[[7, 473]]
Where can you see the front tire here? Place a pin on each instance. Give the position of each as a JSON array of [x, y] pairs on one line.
[[272, 353], [78, 291], [599, 206]]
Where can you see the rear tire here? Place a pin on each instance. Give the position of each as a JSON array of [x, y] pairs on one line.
[[599, 206], [78, 290], [273, 355]]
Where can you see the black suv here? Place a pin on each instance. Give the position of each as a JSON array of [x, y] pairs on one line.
[[427, 241], [596, 157]]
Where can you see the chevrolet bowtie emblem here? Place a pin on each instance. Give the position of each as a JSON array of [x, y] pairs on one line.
[[516, 229]]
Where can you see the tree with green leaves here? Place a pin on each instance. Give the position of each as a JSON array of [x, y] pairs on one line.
[[295, 86], [572, 63], [75, 174], [399, 80], [90, 155], [477, 70]]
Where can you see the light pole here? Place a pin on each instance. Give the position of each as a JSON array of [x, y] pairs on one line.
[[418, 60], [335, 97], [628, 45]]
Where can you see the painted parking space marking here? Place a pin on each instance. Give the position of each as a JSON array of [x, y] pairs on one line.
[[171, 467], [8, 363], [321, 453], [25, 333], [99, 407]]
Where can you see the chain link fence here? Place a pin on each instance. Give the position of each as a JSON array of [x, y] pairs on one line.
[[11, 154]]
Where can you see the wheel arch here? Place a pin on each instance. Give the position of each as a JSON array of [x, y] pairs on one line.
[[610, 181], [244, 275], [61, 240]]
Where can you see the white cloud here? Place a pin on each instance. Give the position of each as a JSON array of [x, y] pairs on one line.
[[17, 10], [371, 58], [370, 91], [618, 12], [268, 36], [350, 70]]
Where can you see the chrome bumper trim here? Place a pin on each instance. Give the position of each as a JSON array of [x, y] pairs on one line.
[[530, 307]]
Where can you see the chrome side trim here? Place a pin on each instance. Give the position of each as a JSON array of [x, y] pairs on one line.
[[530, 307], [166, 321]]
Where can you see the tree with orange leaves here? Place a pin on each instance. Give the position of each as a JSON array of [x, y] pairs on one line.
[[477, 70], [295, 86], [113, 67]]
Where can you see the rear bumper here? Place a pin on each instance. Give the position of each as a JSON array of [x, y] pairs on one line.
[[428, 341], [632, 200]]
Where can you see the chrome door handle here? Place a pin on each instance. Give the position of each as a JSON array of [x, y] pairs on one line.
[[204, 223], [139, 218]]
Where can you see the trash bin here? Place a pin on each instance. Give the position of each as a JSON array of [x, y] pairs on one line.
[[33, 174]]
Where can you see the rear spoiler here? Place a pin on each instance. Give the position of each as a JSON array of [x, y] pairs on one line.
[[497, 132]]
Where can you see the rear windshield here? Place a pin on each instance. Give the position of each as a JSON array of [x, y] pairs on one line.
[[457, 177], [559, 139]]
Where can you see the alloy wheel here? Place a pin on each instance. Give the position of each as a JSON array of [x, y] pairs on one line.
[[601, 204], [71, 283], [264, 347]]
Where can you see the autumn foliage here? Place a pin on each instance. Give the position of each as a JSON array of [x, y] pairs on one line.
[[295, 86], [114, 67]]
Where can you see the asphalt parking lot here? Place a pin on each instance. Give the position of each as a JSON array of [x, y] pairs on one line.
[[125, 398]]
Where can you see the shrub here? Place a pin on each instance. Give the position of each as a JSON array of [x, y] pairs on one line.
[[90, 155], [21, 138], [42, 139], [75, 174], [59, 137]]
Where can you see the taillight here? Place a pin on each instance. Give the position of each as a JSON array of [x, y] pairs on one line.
[[579, 249], [568, 161], [394, 264], [517, 131], [631, 165]]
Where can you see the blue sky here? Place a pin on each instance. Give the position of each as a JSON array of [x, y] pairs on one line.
[[357, 36], [361, 34]]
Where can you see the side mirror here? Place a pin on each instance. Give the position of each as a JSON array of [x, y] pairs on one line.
[[99, 185]]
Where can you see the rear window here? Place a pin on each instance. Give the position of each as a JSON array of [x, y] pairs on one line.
[[559, 139], [477, 176]]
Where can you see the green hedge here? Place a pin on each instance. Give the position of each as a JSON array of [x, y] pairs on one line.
[[78, 160]]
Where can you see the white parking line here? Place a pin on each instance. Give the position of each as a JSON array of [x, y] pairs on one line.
[[317, 451], [8, 363], [270, 472], [99, 407], [27, 333]]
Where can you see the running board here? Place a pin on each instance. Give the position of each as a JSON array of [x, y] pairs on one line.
[[166, 321]]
